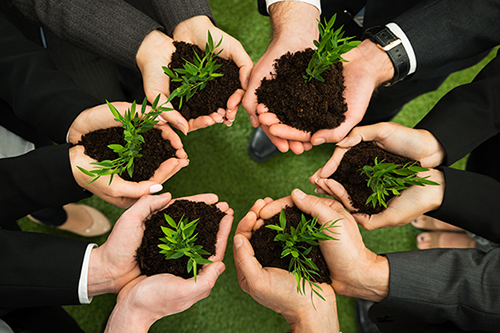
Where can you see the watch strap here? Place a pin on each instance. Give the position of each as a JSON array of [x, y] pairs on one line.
[[387, 41]]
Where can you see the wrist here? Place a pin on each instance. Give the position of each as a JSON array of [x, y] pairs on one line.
[[434, 193], [295, 22], [380, 64], [99, 280], [323, 318], [124, 319], [369, 280]]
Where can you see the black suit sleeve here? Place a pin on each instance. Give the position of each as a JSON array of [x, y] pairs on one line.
[[468, 115], [440, 285], [39, 269], [443, 31], [38, 93]]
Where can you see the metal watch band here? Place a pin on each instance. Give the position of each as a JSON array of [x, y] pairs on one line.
[[393, 46]]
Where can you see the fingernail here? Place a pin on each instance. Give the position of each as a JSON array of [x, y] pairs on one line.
[[316, 190], [155, 188], [342, 141], [252, 121], [231, 124], [299, 194], [187, 163], [319, 141], [181, 128], [160, 118], [238, 241], [316, 180]]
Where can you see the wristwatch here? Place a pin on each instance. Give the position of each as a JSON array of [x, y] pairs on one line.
[[387, 41]]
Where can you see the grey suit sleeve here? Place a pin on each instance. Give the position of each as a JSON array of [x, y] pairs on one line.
[[439, 285], [111, 28], [172, 12]]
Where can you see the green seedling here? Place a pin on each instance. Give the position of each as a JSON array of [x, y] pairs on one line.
[[390, 177], [134, 123], [195, 75], [329, 50], [294, 245], [179, 241]]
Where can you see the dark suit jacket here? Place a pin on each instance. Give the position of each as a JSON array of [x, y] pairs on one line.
[[460, 286], [113, 29], [37, 269]]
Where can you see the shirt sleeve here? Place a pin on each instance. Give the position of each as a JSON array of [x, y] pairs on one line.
[[316, 3], [83, 283]]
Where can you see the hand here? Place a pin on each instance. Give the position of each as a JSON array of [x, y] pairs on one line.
[[366, 69], [120, 193], [195, 31], [155, 52], [276, 288], [147, 299], [355, 270], [113, 264], [295, 27]]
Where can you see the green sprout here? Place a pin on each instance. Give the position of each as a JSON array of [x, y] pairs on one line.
[[195, 75], [390, 177], [134, 123], [301, 266], [329, 50], [179, 241]]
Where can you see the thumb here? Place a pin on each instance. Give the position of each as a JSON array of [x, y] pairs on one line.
[[123, 188], [210, 273], [247, 265], [314, 206]]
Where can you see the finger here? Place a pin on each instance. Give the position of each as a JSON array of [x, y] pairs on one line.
[[269, 119], [275, 207], [208, 198], [290, 133], [200, 122], [147, 205], [296, 147], [281, 144], [247, 266], [168, 168], [176, 119], [333, 163], [207, 277], [327, 209], [170, 135], [222, 236], [246, 225], [233, 103]]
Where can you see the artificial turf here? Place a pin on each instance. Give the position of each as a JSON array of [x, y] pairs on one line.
[[219, 164]]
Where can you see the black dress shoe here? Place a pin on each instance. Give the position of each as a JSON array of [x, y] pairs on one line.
[[365, 325], [261, 148]]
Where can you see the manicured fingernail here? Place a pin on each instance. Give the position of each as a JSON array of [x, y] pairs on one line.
[[299, 194], [230, 124], [319, 141], [160, 118], [238, 241], [187, 163], [155, 188], [316, 190], [316, 180]]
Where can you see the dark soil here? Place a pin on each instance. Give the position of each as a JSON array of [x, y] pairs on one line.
[[217, 91], [155, 150], [306, 106], [354, 182], [148, 254], [268, 252]]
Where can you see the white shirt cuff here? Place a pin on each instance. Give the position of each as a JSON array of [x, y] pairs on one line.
[[83, 294], [315, 3], [407, 45]]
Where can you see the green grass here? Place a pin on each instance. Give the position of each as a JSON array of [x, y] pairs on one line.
[[219, 164]]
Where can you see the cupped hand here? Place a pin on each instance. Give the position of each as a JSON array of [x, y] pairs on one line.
[[195, 31], [113, 265], [418, 145], [120, 192], [147, 299], [355, 270]]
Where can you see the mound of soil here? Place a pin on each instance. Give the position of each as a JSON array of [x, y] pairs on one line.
[[348, 173], [217, 91], [148, 254], [306, 106], [268, 252], [155, 150]]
